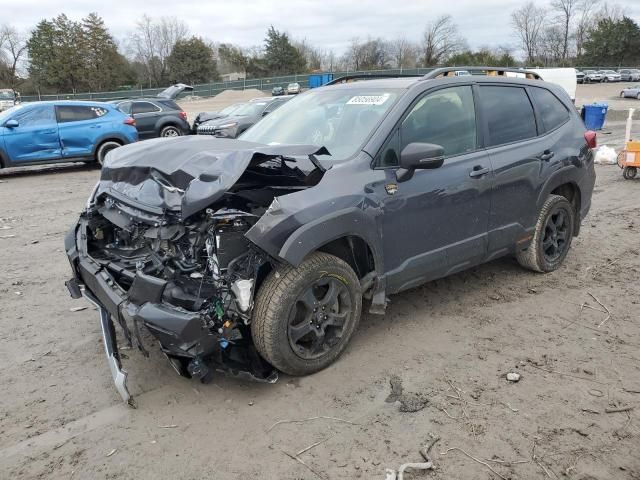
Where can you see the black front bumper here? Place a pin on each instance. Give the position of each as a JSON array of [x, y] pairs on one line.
[[182, 334]]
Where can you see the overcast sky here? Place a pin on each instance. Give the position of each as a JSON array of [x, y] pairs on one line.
[[328, 24]]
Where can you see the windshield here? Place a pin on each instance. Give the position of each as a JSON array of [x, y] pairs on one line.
[[340, 119], [253, 108], [230, 109], [7, 95]]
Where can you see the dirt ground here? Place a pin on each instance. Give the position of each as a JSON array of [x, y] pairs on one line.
[[433, 367]]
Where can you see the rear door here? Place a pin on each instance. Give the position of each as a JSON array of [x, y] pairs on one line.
[[146, 115], [80, 126], [521, 156], [36, 136]]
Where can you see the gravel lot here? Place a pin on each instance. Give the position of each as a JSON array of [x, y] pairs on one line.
[[445, 347]]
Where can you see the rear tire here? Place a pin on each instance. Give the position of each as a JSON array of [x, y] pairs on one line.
[[304, 317], [170, 131], [551, 238], [105, 148], [629, 173]]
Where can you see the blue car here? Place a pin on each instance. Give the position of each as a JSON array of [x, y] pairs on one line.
[[64, 131]]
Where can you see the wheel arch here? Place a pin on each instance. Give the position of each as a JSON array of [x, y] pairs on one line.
[[348, 234], [108, 138], [566, 186]]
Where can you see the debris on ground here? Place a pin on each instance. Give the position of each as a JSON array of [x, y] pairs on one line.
[[513, 377], [77, 309], [426, 465], [407, 402]]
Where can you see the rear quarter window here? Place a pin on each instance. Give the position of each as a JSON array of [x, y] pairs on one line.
[[169, 105], [551, 110], [508, 113]]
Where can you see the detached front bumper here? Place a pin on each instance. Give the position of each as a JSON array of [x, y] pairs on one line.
[[182, 334]]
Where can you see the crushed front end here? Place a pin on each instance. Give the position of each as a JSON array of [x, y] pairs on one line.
[[150, 254]]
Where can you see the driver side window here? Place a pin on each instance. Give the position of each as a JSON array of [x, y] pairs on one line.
[[445, 117]]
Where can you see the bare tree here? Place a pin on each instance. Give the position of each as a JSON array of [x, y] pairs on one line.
[[527, 22], [609, 11], [565, 10], [403, 52], [152, 43], [585, 22], [13, 50], [440, 41]]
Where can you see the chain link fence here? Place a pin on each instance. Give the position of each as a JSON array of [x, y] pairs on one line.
[[212, 89]]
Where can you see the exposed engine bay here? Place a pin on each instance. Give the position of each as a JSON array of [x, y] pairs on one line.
[[190, 280]]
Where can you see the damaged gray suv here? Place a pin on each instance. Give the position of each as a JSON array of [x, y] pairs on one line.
[[254, 255]]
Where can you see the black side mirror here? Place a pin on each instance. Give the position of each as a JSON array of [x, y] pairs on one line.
[[11, 123], [419, 156]]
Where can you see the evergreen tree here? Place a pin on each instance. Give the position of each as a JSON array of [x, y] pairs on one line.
[[613, 43], [192, 61], [281, 57]]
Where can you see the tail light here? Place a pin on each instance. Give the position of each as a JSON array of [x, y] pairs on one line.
[[590, 137], [130, 121], [183, 115]]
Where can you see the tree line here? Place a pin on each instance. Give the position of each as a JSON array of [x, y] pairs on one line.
[[64, 55]]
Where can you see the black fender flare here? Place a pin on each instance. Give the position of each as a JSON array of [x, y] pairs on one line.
[[561, 177], [565, 176], [343, 223]]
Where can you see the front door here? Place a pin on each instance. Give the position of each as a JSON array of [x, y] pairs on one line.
[[35, 138], [435, 223]]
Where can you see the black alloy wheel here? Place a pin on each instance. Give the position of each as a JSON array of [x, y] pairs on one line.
[[317, 319]]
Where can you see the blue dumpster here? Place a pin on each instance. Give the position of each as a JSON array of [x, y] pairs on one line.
[[594, 115]]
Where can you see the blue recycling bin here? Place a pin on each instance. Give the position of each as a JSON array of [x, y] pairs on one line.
[[594, 115]]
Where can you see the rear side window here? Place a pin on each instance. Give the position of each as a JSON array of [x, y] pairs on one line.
[[77, 113], [551, 110], [144, 107], [508, 113], [169, 104]]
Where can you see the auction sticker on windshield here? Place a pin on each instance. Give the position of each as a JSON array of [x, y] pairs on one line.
[[368, 99]]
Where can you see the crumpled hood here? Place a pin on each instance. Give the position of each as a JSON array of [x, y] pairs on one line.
[[185, 174]]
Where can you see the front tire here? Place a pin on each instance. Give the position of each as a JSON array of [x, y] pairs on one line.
[[105, 148], [551, 238], [304, 317], [170, 131]]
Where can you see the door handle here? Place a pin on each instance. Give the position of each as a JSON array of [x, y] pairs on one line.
[[546, 155], [478, 171]]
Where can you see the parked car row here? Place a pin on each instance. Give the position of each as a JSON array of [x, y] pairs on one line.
[[292, 89], [598, 76], [238, 118]]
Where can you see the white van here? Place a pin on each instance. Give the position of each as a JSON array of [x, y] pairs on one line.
[[564, 77], [7, 99]]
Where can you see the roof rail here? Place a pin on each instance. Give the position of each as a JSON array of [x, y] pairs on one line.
[[490, 71], [370, 76]]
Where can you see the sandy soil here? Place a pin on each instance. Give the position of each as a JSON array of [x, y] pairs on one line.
[[446, 348]]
